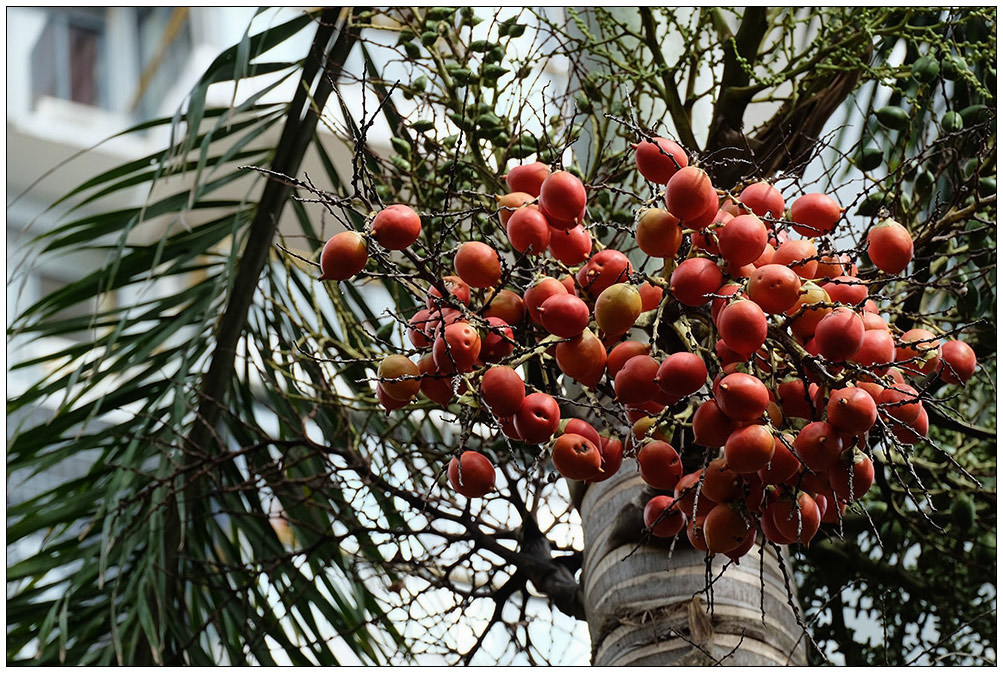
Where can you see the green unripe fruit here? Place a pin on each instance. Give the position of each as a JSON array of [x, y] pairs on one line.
[[617, 308], [952, 122], [870, 158], [892, 117], [953, 67], [963, 512], [985, 549], [925, 69], [924, 181]]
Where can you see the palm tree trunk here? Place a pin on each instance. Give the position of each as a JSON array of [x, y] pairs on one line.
[[649, 604]]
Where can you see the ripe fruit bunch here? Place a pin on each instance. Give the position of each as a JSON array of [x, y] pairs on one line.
[[777, 360]]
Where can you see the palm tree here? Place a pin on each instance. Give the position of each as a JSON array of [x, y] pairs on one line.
[[250, 501]]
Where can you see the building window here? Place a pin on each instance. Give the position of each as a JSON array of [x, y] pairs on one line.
[[164, 46], [68, 59]]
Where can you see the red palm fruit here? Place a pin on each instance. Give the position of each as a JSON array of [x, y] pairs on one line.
[[720, 483], [809, 310], [651, 296], [635, 383], [576, 457], [686, 492], [658, 233], [622, 352], [564, 315], [709, 216], [889, 246], [742, 272], [910, 434], [388, 402], [766, 257], [770, 531], [435, 385], [560, 225], [579, 357], [762, 198], [538, 293], [959, 362], [706, 240], [562, 195], [871, 388], [783, 464], [790, 254], [617, 308], [775, 288], [527, 178], [572, 247], [901, 402], [660, 465], [506, 305], [711, 426], [872, 321], [839, 334], [742, 240], [396, 227], [818, 445], [749, 449], [477, 264], [846, 289], [815, 214], [870, 307], [457, 348], [455, 286], [569, 284], [399, 377], [528, 231], [830, 266], [502, 390], [694, 533], [689, 193], [725, 528], [852, 410], [922, 348], [508, 203], [694, 280], [797, 520], [877, 348], [744, 547], [663, 517], [823, 506], [498, 342], [472, 475], [603, 269], [343, 256], [851, 478], [742, 325], [508, 428], [834, 511], [538, 418], [612, 458], [723, 297], [726, 354], [419, 331], [681, 374], [755, 493], [582, 428], [644, 429], [742, 397], [654, 159]]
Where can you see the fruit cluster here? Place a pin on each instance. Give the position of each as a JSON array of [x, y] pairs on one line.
[[804, 367]]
